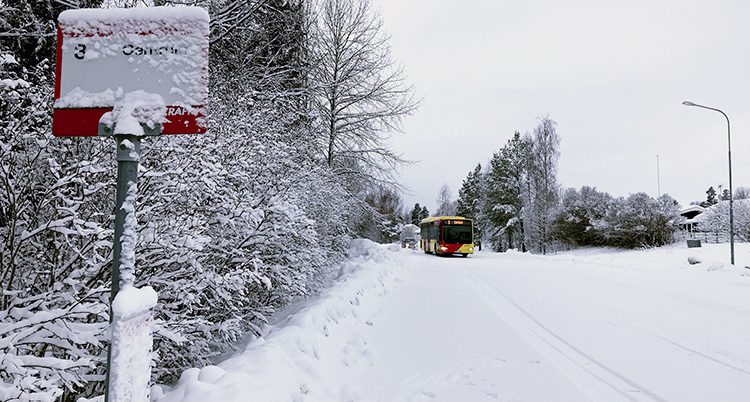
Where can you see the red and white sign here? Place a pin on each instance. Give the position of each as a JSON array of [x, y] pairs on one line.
[[103, 54]]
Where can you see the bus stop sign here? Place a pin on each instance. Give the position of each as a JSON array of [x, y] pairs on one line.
[[103, 54]]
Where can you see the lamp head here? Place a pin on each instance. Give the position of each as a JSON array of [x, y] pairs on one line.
[[688, 103]]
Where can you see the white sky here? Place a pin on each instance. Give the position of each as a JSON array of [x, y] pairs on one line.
[[613, 74]]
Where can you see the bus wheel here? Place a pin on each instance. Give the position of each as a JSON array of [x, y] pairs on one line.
[[464, 255]]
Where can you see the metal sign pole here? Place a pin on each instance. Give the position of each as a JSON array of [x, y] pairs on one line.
[[141, 82], [128, 157]]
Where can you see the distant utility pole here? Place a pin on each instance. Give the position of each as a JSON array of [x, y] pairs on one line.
[[658, 179]]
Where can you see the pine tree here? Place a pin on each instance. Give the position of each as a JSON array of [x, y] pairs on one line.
[[468, 196], [415, 214], [424, 214], [725, 195], [501, 204], [710, 197]]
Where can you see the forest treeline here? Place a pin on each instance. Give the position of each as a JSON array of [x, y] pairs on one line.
[[517, 203], [232, 224]]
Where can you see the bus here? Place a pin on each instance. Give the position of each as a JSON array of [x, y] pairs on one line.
[[445, 235]]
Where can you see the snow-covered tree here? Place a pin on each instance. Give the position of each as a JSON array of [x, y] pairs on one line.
[[359, 91], [710, 198], [641, 221], [715, 219], [415, 214], [579, 220], [725, 194], [742, 193], [467, 204], [542, 191], [446, 204], [425, 213], [232, 225], [53, 241], [501, 203], [382, 223]]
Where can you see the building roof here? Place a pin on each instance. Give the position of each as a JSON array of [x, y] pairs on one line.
[[692, 208], [721, 207]]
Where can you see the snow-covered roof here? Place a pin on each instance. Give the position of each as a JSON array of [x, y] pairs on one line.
[[724, 205], [692, 208]]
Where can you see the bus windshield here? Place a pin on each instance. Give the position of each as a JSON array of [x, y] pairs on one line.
[[457, 234]]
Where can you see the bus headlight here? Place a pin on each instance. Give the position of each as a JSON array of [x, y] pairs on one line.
[[443, 248]]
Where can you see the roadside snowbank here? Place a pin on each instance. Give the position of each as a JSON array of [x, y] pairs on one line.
[[311, 347], [666, 259]]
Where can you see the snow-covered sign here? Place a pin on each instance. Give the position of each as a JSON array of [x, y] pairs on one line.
[[104, 54]]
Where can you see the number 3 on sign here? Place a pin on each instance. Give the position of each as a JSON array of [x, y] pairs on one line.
[[80, 51]]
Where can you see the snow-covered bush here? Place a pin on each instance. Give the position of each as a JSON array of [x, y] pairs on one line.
[[232, 225], [592, 218], [54, 212], [640, 221], [578, 220], [715, 219]]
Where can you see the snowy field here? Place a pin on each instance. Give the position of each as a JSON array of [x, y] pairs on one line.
[[589, 325]]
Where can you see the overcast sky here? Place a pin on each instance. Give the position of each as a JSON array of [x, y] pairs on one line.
[[612, 74]]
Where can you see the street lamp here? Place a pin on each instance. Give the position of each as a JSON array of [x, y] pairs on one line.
[[731, 196]]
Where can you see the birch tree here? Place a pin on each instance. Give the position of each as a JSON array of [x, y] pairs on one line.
[[742, 193], [542, 190], [446, 205], [361, 93]]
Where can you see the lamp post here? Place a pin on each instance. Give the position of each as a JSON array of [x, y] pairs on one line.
[[731, 196]]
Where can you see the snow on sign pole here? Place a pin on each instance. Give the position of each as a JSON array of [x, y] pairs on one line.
[[125, 74]]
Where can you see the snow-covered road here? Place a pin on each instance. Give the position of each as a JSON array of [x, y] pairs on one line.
[[585, 326]]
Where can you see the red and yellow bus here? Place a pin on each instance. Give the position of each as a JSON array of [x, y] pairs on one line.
[[443, 235]]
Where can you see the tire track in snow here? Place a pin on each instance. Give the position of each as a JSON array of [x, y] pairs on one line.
[[698, 353], [625, 323], [583, 360], [621, 322]]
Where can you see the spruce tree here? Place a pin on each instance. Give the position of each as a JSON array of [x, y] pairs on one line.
[[416, 214], [468, 195], [424, 214], [725, 195], [501, 204], [711, 196]]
